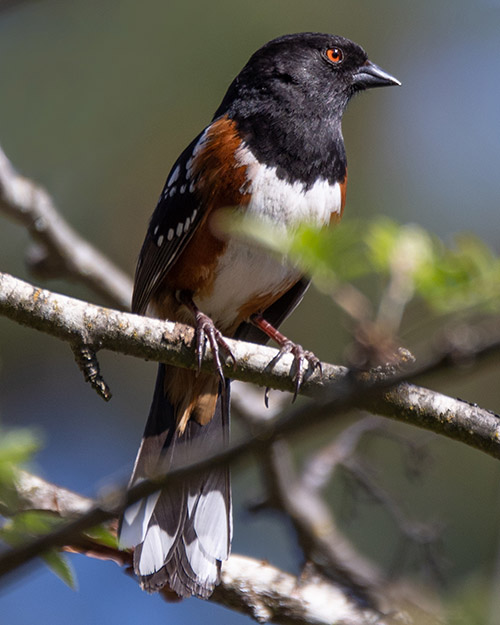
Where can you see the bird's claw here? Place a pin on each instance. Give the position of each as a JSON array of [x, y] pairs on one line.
[[300, 355], [206, 331]]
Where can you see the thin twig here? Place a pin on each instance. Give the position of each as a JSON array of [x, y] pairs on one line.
[[61, 251], [323, 544], [320, 467]]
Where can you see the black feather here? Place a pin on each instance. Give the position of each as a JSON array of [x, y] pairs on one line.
[[172, 209], [180, 509]]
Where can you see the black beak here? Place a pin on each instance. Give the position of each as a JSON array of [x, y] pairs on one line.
[[370, 75]]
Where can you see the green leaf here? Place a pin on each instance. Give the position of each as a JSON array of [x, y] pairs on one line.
[[17, 445], [331, 254], [328, 254], [464, 276], [381, 237], [25, 526], [403, 248], [450, 278], [59, 564], [103, 536]]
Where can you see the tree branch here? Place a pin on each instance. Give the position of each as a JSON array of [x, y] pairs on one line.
[[35, 493], [340, 389], [380, 391], [268, 594], [251, 586], [322, 542], [79, 323], [60, 251]]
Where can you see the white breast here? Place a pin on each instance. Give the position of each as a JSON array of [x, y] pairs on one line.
[[247, 270], [287, 204]]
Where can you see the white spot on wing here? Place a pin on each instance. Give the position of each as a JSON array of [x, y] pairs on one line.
[[187, 224], [170, 234], [155, 231], [178, 232], [183, 188], [160, 240], [174, 176], [200, 143], [173, 191]]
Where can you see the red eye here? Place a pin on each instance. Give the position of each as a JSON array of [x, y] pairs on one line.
[[335, 55]]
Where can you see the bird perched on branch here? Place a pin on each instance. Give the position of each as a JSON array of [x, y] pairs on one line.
[[274, 150]]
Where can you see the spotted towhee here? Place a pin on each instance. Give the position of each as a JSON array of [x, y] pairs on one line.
[[274, 150]]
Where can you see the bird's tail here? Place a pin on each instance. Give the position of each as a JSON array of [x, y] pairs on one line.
[[182, 533]]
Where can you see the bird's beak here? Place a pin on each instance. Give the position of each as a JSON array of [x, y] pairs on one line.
[[370, 75]]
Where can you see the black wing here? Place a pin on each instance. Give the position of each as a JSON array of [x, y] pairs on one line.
[[173, 223]]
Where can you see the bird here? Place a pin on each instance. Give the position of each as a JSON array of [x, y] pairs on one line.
[[274, 151]]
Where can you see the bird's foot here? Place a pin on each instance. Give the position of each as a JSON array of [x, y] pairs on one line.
[[206, 331], [300, 355]]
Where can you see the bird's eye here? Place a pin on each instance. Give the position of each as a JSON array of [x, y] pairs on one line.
[[335, 55]]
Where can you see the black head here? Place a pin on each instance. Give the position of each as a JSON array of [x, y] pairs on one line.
[[289, 98], [312, 72]]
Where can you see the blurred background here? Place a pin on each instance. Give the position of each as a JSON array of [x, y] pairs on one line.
[[97, 99]]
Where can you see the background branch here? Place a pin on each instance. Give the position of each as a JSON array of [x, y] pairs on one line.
[[60, 252], [322, 542], [248, 585]]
